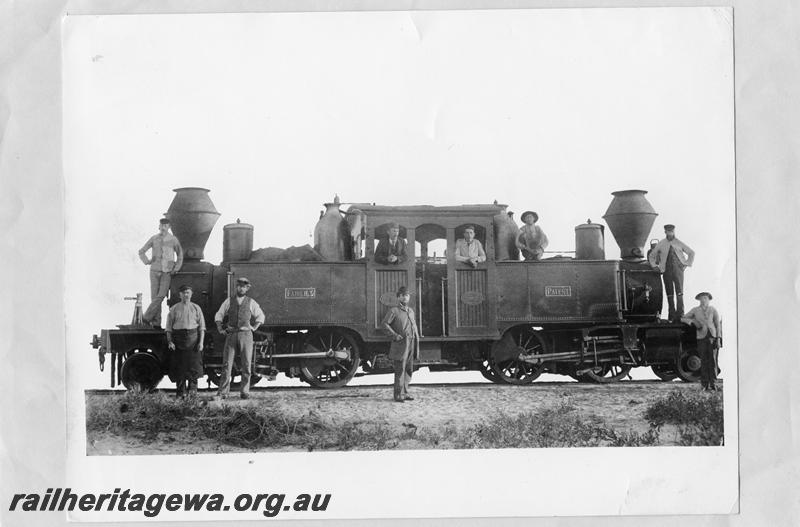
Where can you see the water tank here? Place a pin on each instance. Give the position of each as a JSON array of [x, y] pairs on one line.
[[237, 242], [630, 218], [589, 242], [192, 216], [331, 233]]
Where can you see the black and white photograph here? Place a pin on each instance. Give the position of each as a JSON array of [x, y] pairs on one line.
[[491, 257]]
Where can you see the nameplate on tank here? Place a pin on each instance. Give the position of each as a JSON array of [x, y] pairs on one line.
[[557, 290], [301, 292]]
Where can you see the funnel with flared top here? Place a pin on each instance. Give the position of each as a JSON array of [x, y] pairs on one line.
[[192, 215], [630, 218]]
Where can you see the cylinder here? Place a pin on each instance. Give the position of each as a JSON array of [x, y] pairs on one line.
[[330, 234], [630, 217], [192, 216], [505, 236], [237, 242], [589, 242]]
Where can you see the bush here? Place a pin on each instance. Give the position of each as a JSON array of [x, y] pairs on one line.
[[698, 417]]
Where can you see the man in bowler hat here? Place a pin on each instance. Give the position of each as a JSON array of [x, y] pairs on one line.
[[237, 318], [709, 338], [399, 323], [671, 256], [186, 328]]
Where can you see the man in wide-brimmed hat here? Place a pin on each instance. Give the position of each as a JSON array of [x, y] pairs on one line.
[[709, 337], [671, 256], [531, 240], [241, 315], [400, 324]]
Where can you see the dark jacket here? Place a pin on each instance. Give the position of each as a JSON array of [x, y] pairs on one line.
[[385, 248]]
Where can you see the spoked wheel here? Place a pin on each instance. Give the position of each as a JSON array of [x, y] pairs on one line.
[[488, 373], [141, 371], [341, 364], [665, 372], [606, 373], [507, 365], [688, 366]]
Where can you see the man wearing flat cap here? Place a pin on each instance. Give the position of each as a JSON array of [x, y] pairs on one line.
[[671, 256], [531, 240], [468, 249], [399, 323], [392, 249], [237, 318], [709, 338], [166, 260], [186, 329]]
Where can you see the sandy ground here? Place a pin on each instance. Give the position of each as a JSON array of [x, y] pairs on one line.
[[620, 405]]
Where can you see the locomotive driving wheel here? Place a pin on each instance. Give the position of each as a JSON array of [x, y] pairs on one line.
[[338, 367], [606, 373], [488, 373], [508, 362]]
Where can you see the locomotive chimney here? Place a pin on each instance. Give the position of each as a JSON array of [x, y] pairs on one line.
[[192, 215], [630, 218]]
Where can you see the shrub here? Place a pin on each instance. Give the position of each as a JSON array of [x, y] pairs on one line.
[[698, 417]]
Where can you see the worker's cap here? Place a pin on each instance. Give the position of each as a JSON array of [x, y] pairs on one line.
[[669, 227], [402, 291], [393, 225], [530, 213], [704, 293], [470, 228], [242, 280], [185, 287], [164, 221]]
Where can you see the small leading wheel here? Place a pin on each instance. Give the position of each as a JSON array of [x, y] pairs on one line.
[[665, 372], [606, 373], [507, 363], [141, 371], [688, 366], [341, 364]]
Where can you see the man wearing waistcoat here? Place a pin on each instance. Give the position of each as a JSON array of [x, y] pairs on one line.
[[400, 325], [166, 260], [709, 338], [186, 328], [671, 256], [241, 315]]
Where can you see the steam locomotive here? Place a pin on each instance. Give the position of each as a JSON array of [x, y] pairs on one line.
[[584, 316]]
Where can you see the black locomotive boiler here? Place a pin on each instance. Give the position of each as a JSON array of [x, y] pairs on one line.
[[584, 316]]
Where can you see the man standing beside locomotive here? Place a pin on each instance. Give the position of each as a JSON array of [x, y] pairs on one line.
[[468, 249], [242, 316], [164, 247], [186, 329], [392, 249], [709, 338], [531, 241], [671, 256], [400, 324]]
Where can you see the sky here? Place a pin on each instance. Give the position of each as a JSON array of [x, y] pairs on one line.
[[548, 110]]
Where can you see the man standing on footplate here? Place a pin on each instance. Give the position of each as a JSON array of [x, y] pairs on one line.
[[241, 316], [671, 256], [400, 324]]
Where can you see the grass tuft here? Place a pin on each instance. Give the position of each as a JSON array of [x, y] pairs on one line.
[[697, 415]]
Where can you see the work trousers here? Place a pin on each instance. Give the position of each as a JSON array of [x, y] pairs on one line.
[[708, 364], [159, 287], [402, 375], [673, 285], [187, 360], [241, 342]]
